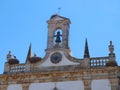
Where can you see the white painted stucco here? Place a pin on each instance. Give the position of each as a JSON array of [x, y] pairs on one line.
[[103, 84], [14, 87], [63, 62], [41, 86], [69, 85]]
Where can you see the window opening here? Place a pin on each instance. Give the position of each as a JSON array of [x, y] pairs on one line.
[[58, 37]]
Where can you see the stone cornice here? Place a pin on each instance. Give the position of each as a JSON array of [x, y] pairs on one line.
[[55, 76]]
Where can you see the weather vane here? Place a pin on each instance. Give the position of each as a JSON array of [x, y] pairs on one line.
[[59, 11]]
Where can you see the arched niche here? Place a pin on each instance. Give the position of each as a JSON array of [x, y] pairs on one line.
[[58, 37]]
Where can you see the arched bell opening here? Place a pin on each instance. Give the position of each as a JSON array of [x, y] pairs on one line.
[[58, 37]]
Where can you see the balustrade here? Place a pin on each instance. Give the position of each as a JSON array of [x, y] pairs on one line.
[[17, 68], [97, 62]]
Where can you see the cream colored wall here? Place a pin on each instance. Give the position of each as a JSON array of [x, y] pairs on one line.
[[14, 87], [69, 85], [103, 84], [41, 86]]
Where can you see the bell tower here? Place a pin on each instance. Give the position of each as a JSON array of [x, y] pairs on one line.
[[58, 69], [58, 32]]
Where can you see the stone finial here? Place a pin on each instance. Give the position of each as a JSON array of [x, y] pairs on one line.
[[9, 56], [111, 47], [112, 59]]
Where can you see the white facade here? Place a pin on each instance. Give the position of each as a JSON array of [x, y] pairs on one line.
[[71, 85], [103, 84], [14, 87]]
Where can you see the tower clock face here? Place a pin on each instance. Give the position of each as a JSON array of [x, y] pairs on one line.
[[56, 57]]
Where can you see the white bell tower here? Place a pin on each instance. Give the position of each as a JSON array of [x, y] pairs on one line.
[[58, 32]]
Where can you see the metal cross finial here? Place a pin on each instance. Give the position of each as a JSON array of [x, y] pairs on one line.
[[59, 11]]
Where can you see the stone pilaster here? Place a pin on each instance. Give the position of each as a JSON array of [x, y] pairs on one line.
[[25, 87], [3, 87], [114, 84], [86, 63], [6, 68], [87, 84]]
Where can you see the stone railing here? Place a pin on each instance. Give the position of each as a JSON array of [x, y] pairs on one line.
[[94, 62], [98, 62], [17, 68]]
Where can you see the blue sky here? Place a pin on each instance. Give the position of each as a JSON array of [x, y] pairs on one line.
[[24, 21]]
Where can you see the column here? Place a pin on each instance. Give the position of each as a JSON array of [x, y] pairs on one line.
[[87, 84], [3, 87], [25, 86], [114, 84]]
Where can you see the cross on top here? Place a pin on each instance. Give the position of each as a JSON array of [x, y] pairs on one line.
[[59, 10]]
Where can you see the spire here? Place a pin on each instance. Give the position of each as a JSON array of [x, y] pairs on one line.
[[29, 53], [86, 51]]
